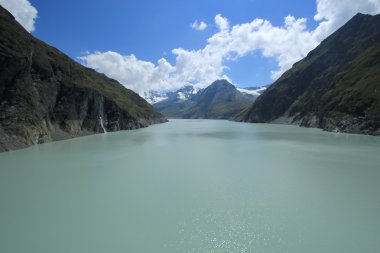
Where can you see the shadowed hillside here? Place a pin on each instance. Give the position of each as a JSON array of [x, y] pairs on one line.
[[336, 87], [46, 96]]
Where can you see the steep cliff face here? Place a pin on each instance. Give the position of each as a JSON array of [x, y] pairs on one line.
[[336, 87], [46, 96]]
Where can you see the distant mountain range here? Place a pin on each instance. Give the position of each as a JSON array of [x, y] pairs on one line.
[[220, 100], [336, 87], [46, 96]]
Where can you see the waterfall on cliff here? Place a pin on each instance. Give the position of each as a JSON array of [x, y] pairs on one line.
[[102, 124]]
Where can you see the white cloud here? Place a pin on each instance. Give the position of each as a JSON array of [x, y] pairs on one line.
[[199, 26], [136, 74], [332, 14], [221, 22], [23, 12], [197, 67], [286, 44]]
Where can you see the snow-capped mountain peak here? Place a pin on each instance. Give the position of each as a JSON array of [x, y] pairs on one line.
[[182, 94], [254, 91], [187, 92]]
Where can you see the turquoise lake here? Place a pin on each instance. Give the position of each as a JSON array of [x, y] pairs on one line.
[[194, 186]]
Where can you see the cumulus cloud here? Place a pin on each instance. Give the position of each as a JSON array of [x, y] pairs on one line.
[[136, 74], [287, 44], [195, 67], [221, 22], [23, 12], [199, 26], [334, 13]]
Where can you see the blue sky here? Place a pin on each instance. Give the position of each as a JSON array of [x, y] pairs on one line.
[[151, 45], [151, 29]]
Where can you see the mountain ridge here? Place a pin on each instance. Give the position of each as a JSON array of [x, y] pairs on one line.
[[220, 100]]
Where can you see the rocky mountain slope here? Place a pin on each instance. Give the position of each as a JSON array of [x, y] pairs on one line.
[[46, 96], [336, 87], [175, 103], [220, 100]]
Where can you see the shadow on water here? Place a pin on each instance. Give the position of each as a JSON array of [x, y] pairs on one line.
[[219, 135], [142, 138]]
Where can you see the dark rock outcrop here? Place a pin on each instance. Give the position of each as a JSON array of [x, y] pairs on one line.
[[46, 96], [336, 87]]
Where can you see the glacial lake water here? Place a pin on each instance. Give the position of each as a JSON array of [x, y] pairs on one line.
[[194, 186]]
